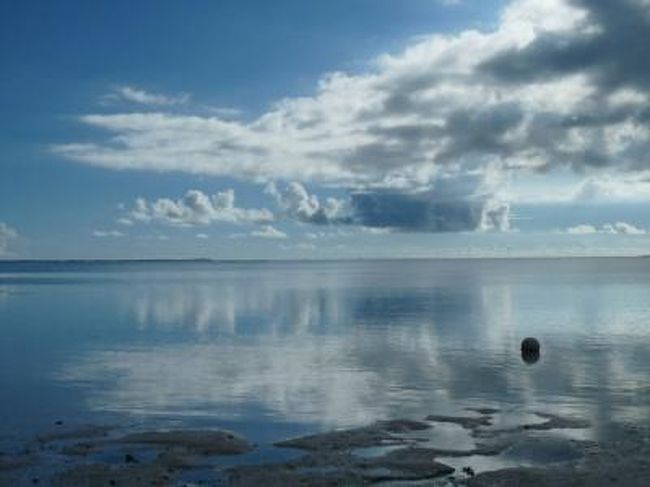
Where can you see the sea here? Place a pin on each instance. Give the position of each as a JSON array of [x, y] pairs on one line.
[[275, 349]]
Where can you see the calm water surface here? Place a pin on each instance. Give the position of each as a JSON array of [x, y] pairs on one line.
[[278, 349]]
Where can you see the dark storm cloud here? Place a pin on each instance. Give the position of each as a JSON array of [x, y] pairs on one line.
[[415, 212], [453, 208], [480, 131], [614, 51]]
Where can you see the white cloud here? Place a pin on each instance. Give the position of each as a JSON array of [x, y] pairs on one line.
[[127, 222], [614, 189], [108, 233], [398, 121], [267, 231], [557, 84], [137, 95], [197, 208], [7, 236], [202, 236], [299, 205], [582, 230], [618, 228], [622, 228]]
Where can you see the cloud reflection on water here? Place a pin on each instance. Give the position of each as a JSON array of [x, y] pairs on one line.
[[344, 344]]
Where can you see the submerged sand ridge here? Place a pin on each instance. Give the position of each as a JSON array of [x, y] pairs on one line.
[[392, 452]]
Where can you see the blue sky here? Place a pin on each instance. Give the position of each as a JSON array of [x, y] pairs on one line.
[[358, 128]]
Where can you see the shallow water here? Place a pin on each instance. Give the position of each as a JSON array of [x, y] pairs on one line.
[[277, 349]]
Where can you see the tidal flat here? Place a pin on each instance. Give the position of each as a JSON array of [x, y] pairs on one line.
[[325, 373], [390, 452]]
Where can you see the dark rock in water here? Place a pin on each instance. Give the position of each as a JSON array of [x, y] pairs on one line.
[[530, 350], [530, 344], [128, 458], [469, 471], [530, 358]]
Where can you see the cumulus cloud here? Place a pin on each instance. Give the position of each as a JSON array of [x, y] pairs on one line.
[[298, 204], [198, 208], [618, 228], [557, 83], [622, 228], [136, 95], [457, 206], [7, 236], [452, 204]]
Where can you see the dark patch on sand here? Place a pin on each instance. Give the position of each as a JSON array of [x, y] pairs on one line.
[[342, 468], [81, 448], [382, 433], [197, 441], [12, 462], [466, 422], [99, 474], [406, 464], [622, 461], [79, 432], [484, 411], [332, 458], [553, 422]]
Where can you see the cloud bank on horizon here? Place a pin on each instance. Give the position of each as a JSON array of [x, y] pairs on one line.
[[428, 139]]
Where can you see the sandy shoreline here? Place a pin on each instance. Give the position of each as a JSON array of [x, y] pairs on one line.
[[392, 452]]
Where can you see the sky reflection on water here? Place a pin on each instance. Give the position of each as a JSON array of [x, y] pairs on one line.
[[326, 345]]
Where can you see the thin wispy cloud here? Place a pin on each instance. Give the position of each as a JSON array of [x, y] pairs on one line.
[[108, 234], [140, 96]]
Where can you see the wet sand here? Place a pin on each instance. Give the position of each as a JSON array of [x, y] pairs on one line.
[[391, 452]]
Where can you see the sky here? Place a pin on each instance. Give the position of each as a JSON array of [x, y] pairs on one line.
[[324, 129]]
